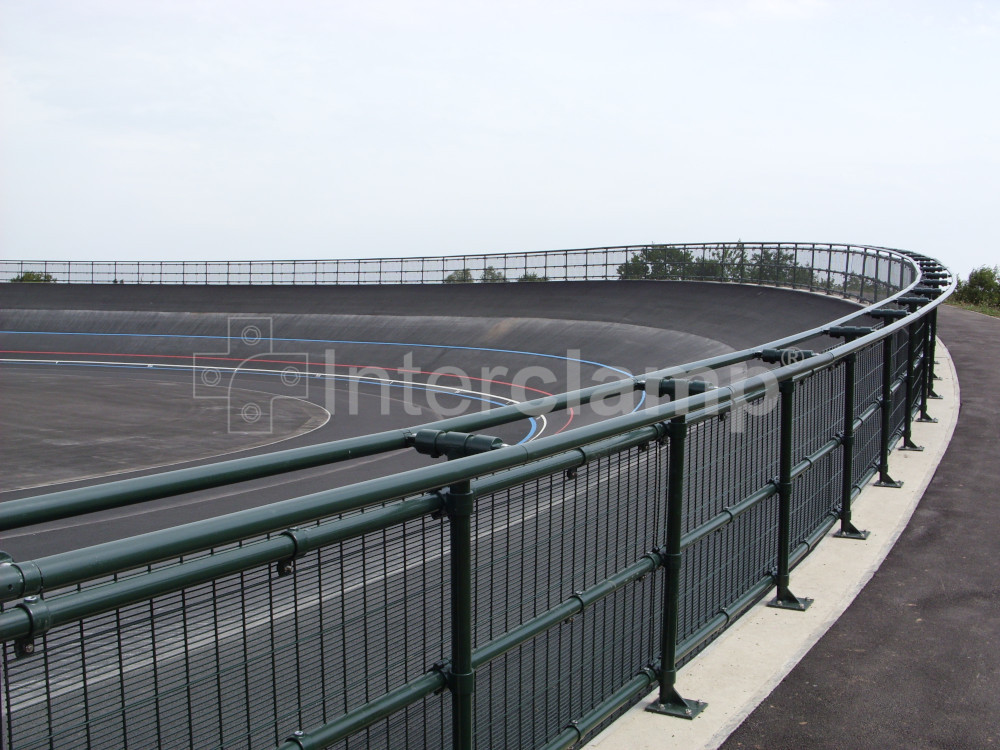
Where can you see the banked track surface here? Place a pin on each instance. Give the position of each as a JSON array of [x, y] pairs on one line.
[[121, 399]]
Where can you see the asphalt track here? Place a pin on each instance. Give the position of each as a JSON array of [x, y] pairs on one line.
[[97, 380]]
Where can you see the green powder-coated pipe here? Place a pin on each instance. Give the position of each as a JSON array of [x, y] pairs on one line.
[[356, 720]]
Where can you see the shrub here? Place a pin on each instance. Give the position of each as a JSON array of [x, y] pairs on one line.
[[657, 262], [34, 277], [459, 277], [492, 276]]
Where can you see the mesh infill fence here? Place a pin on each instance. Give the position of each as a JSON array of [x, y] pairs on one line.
[[508, 606], [538, 544], [242, 660], [864, 273]]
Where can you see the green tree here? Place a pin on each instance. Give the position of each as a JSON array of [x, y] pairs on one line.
[[981, 288], [777, 266], [667, 262], [34, 277], [492, 276], [532, 277], [657, 262], [459, 277]]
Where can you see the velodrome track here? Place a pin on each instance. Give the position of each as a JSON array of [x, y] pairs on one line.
[[98, 381]]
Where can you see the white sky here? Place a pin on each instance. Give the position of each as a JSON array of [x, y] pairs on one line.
[[150, 129]]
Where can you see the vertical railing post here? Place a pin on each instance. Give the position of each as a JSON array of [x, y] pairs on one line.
[[785, 599], [847, 529], [670, 702], [812, 270], [911, 353], [932, 343], [884, 480], [925, 370], [460, 505]]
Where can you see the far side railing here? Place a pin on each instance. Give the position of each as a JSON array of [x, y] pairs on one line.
[[861, 272]]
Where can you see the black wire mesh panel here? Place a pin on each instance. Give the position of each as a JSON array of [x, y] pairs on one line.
[[868, 377], [535, 546], [531, 693], [245, 660], [816, 495], [818, 419], [726, 461], [898, 412], [819, 411], [728, 458]]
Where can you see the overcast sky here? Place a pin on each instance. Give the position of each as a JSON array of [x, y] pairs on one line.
[[211, 130]]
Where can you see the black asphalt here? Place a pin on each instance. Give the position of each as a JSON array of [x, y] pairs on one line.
[[914, 662], [73, 424]]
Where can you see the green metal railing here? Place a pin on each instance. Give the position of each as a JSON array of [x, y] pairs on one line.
[[863, 272], [512, 596]]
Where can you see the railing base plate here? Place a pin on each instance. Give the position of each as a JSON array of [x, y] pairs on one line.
[[852, 533], [888, 483], [791, 602], [682, 709]]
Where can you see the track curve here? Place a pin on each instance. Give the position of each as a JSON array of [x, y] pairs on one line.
[[124, 395]]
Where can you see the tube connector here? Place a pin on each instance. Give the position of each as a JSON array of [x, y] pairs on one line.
[[40, 619], [678, 388], [887, 314], [784, 356], [436, 443], [848, 332]]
